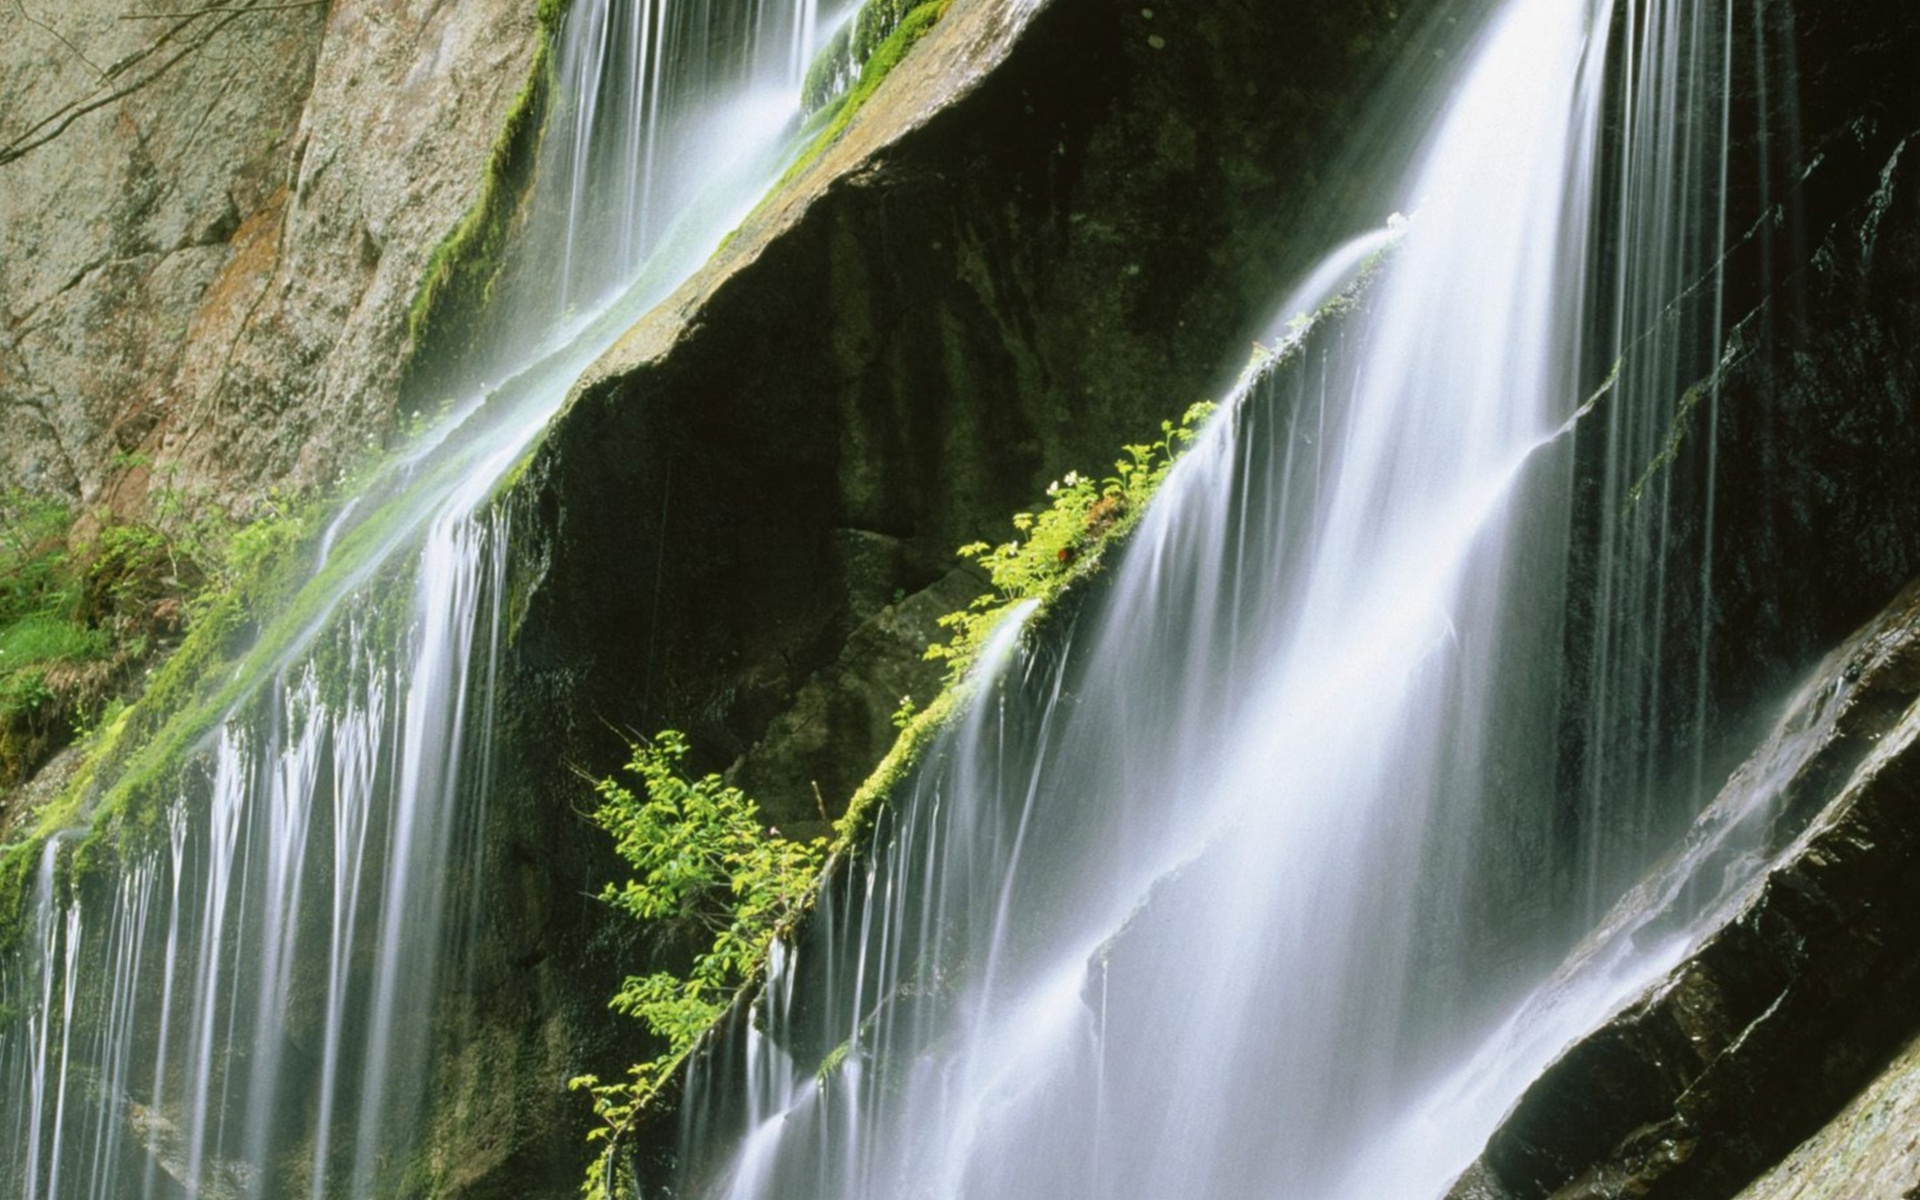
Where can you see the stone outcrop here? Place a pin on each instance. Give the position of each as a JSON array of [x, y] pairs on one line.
[[1781, 1016], [742, 524], [212, 226], [1792, 1008], [1871, 1149], [968, 298]]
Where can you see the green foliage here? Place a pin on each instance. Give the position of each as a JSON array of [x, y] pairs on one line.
[[857, 42], [33, 536], [1064, 540], [823, 78], [919, 732], [903, 715], [79, 615], [705, 863], [57, 637]]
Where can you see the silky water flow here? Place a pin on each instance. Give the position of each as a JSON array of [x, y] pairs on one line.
[[1246, 878], [255, 1006]]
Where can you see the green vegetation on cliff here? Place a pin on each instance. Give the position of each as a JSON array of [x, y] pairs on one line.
[[869, 37], [706, 864], [93, 611], [1064, 541], [85, 603], [462, 270], [1054, 548], [48, 653], [844, 77]]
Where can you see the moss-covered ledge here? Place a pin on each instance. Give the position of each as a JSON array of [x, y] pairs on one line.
[[1059, 566]]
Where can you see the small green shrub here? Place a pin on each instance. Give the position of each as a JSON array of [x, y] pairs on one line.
[[1065, 540], [706, 863], [703, 861]]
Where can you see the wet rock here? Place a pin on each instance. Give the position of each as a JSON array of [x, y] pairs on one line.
[[1005, 271], [825, 740], [1872, 1148], [1790, 1008]]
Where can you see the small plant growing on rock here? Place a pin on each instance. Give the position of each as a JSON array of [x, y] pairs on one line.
[[1065, 539], [704, 861]]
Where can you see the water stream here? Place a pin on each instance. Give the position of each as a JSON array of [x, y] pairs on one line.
[[1249, 878], [1237, 882], [263, 1003]]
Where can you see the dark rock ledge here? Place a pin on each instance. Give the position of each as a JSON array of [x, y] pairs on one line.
[[1792, 1007]]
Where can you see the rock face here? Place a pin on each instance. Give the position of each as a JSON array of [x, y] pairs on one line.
[[1806, 476], [1871, 1149], [742, 525], [963, 302], [954, 306], [1789, 1009], [211, 228]]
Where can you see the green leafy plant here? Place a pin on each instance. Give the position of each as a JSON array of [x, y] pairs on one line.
[[703, 858], [49, 650], [705, 862], [1064, 540], [81, 620]]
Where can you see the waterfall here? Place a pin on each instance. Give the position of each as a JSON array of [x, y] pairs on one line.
[[263, 1000], [1249, 876]]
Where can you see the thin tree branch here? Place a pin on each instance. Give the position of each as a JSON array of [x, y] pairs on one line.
[[57, 122], [60, 119], [61, 37], [252, 8]]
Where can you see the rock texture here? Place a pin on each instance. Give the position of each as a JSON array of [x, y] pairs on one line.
[[957, 303], [212, 225], [1871, 1149], [743, 523], [1792, 1007], [1808, 476], [1796, 1004]]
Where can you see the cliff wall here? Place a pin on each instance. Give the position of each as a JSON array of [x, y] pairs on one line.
[[213, 222]]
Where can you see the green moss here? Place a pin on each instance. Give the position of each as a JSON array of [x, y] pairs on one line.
[[1066, 541], [1057, 551], [832, 1061], [881, 62], [464, 267], [834, 118], [252, 556], [136, 763], [856, 824], [827, 74], [1670, 450]]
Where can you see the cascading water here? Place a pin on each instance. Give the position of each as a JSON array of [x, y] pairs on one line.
[[262, 1002], [1243, 879]]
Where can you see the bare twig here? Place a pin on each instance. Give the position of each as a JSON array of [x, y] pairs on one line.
[[60, 37], [57, 122], [243, 10]]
